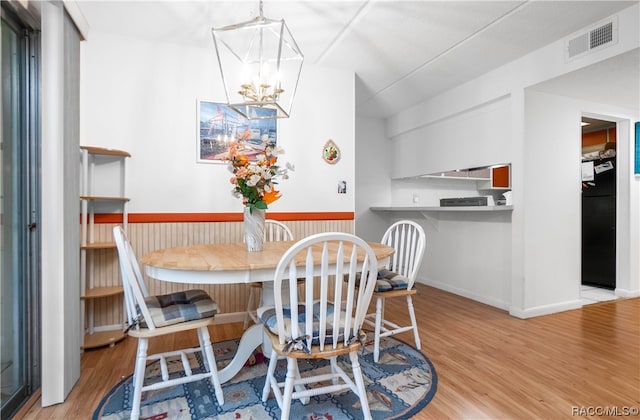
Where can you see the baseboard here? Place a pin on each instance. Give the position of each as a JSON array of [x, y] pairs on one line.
[[228, 318], [113, 327], [626, 293], [465, 293], [545, 309]]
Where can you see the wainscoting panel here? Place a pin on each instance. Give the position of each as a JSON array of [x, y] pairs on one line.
[[146, 237]]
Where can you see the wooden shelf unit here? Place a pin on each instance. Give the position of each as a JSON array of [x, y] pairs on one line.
[[91, 158]]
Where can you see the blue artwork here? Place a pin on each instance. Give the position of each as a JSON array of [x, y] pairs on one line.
[[637, 149], [219, 125]]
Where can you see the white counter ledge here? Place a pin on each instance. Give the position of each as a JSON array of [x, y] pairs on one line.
[[443, 209]]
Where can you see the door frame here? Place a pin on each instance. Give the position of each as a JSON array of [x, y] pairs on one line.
[[27, 226], [624, 171]]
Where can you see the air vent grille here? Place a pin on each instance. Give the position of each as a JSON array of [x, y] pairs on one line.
[[578, 45], [600, 36]]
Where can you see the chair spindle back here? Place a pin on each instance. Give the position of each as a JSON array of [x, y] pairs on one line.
[[341, 305]]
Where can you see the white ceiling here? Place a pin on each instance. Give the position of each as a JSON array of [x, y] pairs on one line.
[[401, 51]]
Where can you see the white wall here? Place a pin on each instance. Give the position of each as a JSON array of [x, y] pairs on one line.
[[553, 200], [477, 250], [535, 265], [428, 191], [479, 136], [140, 96], [373, 177], [552, 227]]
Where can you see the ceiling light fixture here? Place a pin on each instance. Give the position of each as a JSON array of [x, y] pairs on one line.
[[260, 64]]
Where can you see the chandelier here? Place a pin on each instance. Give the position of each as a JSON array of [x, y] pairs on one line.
[[260, 64]]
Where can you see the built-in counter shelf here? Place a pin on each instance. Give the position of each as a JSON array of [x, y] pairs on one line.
[[431, 214], [444, 209]]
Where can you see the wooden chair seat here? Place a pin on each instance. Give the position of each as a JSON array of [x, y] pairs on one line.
[[394, 293], [316, 352], [171, 329]]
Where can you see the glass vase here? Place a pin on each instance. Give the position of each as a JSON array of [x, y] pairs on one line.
[[254, 229]]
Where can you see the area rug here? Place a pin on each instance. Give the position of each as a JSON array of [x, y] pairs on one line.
[[398, 386]]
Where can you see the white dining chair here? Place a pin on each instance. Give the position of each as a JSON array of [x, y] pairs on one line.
[[396, 280], [155, 316], [273, 231], [329, 316]]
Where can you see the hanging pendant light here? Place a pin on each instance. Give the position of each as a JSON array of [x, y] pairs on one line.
[[260, 64]]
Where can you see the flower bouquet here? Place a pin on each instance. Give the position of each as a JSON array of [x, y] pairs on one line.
[[255, 182]]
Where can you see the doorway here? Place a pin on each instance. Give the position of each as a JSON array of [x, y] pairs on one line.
[[599, 181]]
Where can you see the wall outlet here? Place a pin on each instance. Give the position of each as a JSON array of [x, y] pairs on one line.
[[416, 198]]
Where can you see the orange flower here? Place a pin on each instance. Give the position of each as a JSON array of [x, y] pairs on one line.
[[270, 197], [241, 160], [252, 180]]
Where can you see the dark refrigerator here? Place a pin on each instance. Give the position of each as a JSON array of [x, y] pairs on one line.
[[599, 227]]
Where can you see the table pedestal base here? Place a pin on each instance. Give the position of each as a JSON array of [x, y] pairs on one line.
[[251, 339]]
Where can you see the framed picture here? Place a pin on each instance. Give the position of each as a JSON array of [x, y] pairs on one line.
[[331, 152], [637, 150], [219, 125]]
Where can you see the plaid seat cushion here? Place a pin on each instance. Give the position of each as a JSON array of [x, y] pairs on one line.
[[388, 280], [267, 316], [180, 307]]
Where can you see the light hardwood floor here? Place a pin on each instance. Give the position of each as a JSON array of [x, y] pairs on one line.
[[489, 364]]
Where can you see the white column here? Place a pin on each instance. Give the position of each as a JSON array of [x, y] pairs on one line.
[[60, 345]]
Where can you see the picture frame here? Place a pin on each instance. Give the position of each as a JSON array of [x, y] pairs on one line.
[[331, 152], [219, 125], [637, 150]]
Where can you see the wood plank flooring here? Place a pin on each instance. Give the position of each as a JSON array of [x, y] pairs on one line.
[[489, 364]]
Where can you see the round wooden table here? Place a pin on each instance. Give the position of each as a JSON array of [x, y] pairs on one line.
[[231, 263]]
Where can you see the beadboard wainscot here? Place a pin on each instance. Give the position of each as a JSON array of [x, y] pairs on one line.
[[149, 232]]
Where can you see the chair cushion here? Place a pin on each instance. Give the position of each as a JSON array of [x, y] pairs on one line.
[[267, 316], [388, 280], [179, 307]]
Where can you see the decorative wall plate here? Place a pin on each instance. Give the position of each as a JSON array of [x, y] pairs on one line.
[[331, 152]]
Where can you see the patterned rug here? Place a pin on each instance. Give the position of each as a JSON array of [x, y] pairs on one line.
[[400, 385]]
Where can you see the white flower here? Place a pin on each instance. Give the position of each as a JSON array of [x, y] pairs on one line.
[[253, 180]]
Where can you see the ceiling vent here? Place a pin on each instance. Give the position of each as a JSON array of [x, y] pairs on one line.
[[600, 36]]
